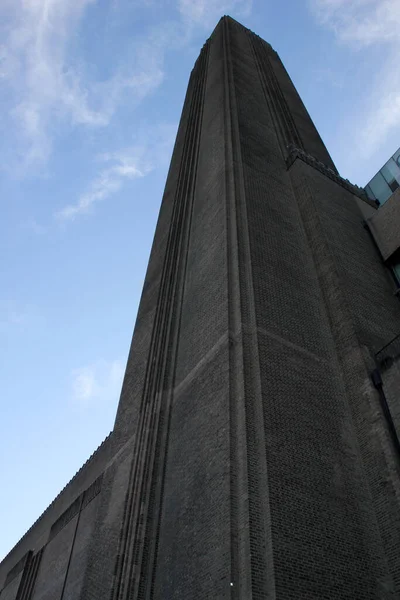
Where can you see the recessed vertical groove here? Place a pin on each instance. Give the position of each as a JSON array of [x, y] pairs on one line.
[[72, 547], [170, 325], [285, 125], [133, 562], [128, 517], [28, 580], [248, 403], [240, 571], [167, 376]]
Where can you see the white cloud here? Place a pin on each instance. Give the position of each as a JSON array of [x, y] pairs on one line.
[[46, 87], [49, 88], [383, 113], [98, 382], [205, 13], [34, 65], [361, 24], [126, 164]]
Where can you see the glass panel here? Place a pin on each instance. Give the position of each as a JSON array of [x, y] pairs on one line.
[[396, 270], [393, 168], [369, 193], [380, 188], [396, 157], [386, 173], [389, 175]]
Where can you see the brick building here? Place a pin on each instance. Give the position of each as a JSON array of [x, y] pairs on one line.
[[255, 451]]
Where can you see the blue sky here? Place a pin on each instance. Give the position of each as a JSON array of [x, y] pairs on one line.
[[90, 97]]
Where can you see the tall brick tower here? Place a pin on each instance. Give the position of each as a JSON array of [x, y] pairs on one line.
[[252, 457]]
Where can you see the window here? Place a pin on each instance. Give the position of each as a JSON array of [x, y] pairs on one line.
[[386, 181], [391, 173], [370, 194], [396, 271], [380, 188]]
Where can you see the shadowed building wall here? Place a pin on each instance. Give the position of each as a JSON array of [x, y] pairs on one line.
[[250, 457]]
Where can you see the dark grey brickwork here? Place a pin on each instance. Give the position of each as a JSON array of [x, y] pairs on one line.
[[10, 591], [252, 457], [51, 576], [38, 535], [391, 383]]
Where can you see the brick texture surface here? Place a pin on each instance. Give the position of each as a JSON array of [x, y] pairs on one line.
[[391, 382], [53, 570], [10, 591], [37, 536], [79, 552]]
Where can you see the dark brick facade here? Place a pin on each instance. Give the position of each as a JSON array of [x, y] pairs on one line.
[[252, 456], [384, 226]]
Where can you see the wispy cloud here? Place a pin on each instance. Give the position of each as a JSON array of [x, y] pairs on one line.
[[97, 382], [46, 86], [361, 24], [383, 115], [127, 164], [50, 89], [35, 67]]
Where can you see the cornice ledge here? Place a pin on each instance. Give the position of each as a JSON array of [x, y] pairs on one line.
[[294, 153]]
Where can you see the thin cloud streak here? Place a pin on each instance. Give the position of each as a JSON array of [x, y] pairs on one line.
[[49, 95], [99, 381], [35, 67], [44, 87], [152, 150], [128, 164], [361, 24], [383, 114], [137, 162]]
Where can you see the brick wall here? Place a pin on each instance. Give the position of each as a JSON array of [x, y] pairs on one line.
[[41, 534]]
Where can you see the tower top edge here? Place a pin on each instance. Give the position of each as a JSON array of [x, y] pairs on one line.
[[231, 20], [227, 20]]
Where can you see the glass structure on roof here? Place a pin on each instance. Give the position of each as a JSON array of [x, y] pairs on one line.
[[386, 181]]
